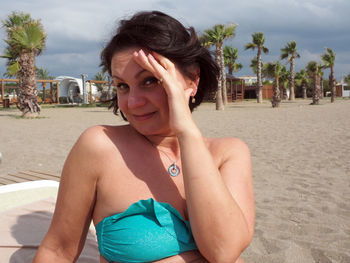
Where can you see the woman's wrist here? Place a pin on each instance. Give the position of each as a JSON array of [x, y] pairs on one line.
[[191, 134]]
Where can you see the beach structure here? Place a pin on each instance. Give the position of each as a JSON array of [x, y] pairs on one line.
[[72, 89], [7, 97], [342, 90], [240, 88], [249, 80]]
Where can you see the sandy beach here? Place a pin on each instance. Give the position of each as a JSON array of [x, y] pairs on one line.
[[301, 168]]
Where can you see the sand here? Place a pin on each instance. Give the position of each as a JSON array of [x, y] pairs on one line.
[[300, 156]]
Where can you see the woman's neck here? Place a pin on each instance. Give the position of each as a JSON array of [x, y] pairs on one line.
[[168, 144]]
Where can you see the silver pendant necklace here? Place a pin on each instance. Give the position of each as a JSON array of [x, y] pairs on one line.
[[173, 169]]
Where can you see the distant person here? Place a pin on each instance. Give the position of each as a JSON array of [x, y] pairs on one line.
[[155, 188]]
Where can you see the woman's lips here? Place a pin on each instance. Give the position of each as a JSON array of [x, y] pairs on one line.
[[143, 117]]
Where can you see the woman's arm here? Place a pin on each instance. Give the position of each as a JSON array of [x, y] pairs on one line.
[[220, 201], [75, 202]]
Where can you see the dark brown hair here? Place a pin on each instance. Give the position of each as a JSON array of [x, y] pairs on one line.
[[156, 31]]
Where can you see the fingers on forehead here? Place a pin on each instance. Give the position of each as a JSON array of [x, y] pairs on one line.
[[141, 59], [166, 63]]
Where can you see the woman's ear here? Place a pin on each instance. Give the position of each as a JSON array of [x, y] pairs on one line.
[[195, 77]]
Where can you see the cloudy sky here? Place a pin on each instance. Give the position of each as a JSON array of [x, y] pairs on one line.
[[78, 29]]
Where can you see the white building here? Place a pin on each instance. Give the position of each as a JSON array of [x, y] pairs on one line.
[[72, 88], [342, 89], [249, 80]]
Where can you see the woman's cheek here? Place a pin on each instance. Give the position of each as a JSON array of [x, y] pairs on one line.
[[122, 103]]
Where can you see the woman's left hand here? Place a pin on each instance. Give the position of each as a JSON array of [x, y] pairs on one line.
[[177, 87]]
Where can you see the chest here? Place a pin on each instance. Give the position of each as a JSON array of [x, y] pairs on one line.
[[124, 184]]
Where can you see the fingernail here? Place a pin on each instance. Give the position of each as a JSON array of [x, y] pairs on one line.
[[141, 52], [150, 56], [136, 54]]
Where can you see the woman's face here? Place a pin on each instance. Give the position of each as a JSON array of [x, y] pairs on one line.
[[141, 98]]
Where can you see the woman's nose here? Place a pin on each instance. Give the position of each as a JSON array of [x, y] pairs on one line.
[[136, 99]]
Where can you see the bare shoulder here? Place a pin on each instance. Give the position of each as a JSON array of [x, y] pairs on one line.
[[93, 148], [227, 148], [101, 138]]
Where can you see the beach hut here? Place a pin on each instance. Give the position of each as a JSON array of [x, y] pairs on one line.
[[342, 90], [71, 89]]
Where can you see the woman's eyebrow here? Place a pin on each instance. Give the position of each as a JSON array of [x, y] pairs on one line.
[[136, 75], [140, 72]]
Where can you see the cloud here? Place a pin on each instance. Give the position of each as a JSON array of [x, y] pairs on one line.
[[77, 29]]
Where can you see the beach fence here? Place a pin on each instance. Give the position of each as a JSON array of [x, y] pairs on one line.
[[61, 90], [9, 92], [238, 90]]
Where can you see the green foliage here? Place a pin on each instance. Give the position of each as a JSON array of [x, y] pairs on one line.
[[290, 49], [42, 73], [301, 77], [258, 42], [217, 34], [273, 70], [284, 75], [24, 34], [254, 66], [100, 76], [28, 38], [312, 67], [347, 79], [230, 57], [13, 69], [328, 58]]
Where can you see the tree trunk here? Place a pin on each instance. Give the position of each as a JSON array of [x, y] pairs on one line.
[[223, 75], [291, 81], [284, 91], [276, 99], [304, 90], [332, 84], [259, 84], [27, 98], [316, 90], [230, 69], [321, 87], [219, 101]]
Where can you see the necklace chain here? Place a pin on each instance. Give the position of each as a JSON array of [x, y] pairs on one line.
[[173, 169]]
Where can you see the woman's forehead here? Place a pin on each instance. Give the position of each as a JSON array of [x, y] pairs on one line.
[[124, 66]]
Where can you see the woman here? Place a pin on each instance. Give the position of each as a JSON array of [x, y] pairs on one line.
[[156, 189]]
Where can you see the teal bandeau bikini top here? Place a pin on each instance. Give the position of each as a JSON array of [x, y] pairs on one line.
[[146, 231]]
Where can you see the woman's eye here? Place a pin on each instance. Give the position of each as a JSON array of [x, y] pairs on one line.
[[122, 87], [148, 82]]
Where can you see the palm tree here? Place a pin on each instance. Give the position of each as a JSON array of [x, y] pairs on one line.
[[12, 63], [329, 59], [215, 37], [321, 73], [25, 38], [14, 21], [273, 70], [43, 74], [258, 43], [284, 80], [313, 70], [230, 57], [291, 50], [301, 79], [347, 79]]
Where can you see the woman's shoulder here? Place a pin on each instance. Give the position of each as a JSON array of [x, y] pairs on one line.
[[101, 138], [227, 147], [231, 143]]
